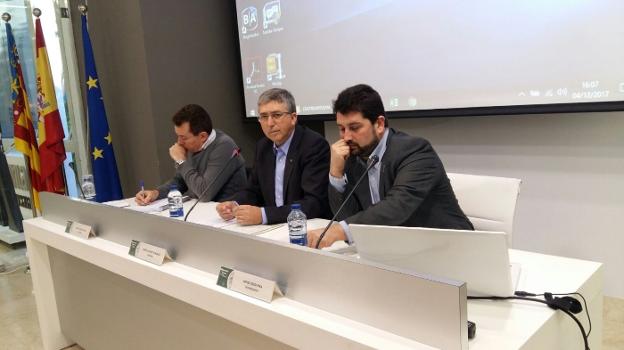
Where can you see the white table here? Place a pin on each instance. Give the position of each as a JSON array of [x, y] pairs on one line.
[[500, 325]]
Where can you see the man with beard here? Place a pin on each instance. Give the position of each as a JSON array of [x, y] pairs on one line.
[[407, 187]]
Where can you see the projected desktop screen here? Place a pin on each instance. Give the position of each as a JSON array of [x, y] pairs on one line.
[[428, 55]]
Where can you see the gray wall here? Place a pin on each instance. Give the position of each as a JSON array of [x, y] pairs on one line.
[[153, 58], [572, 171]]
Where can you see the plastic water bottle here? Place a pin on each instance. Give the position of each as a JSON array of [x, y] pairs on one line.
[[176, 206], [88, 187], [297, 227]]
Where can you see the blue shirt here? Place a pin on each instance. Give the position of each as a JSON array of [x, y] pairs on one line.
[[373, 180], [280, 165]]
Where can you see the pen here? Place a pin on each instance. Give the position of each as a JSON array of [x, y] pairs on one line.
[[142, 185]]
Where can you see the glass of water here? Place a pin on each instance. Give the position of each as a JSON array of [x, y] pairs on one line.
[[88, 187]]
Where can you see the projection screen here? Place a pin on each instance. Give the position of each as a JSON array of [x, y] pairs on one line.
[[449, 55]]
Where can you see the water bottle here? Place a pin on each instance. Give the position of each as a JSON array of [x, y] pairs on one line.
[[88, 187], [297, 227], [176, 207]]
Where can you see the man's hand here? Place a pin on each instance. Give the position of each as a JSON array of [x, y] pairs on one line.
[[226, 210], [146, 197], [248, 215], [339, 153], [177, 152], [335, 233]]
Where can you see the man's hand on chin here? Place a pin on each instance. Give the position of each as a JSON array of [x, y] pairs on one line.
[[177, 152], [335, 233]]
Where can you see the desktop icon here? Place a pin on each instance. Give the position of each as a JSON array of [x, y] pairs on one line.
[[249, 18], [394, 102], [274, 66], [253, 70], [272, 12]]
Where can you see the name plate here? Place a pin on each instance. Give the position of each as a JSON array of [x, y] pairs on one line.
[[80, 230], [148, 252], [248, 284]]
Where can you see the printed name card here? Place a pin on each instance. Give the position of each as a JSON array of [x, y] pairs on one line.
[[253, 286], [80, 230], [148, 252]]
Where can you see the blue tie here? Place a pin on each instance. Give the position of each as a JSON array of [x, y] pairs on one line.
[[280, 164]]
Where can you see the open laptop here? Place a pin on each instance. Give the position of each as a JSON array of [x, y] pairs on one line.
[[479, 258]]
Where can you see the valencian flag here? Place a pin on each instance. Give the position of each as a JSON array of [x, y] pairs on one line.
[[24, 132], [51, 133], [105, 175]]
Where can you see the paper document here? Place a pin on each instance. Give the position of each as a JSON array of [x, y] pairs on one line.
[[154, 207], [251, 229], [213, 221], [122, 203]]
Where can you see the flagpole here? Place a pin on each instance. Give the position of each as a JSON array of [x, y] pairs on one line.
[[37, 13], [104, 165]]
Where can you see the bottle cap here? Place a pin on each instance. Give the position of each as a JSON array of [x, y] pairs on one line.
[[295, 206]]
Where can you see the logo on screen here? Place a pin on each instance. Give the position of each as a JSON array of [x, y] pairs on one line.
[[272, 12], [274, 66], [249, 18], [253, 70]]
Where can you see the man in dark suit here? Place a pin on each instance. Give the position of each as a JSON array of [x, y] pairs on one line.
[[291, 166], [407, 187]]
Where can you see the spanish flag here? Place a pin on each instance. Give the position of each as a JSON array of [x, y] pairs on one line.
[[51, 133], [24, 132]]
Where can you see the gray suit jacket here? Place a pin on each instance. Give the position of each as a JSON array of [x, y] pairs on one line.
[[201, 168], [413, 189]]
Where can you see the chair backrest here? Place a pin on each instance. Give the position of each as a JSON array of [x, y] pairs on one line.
[[488, 201]]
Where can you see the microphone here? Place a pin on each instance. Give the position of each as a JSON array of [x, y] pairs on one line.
[[235, 153], [371, 163]]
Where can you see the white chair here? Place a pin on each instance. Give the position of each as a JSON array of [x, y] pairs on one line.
[[488, 201]]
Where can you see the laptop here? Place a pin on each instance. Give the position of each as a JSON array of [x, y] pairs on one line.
[[479, 258]]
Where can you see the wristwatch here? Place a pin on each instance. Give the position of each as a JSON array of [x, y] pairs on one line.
[[178, 163]]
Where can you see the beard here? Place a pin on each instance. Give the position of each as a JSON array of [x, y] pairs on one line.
[[363, 151]]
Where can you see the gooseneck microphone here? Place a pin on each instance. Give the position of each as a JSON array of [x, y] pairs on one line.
[[371, 163], [235, 153]]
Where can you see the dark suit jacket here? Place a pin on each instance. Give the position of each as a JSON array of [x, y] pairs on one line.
[[305, 177], [413, 189]]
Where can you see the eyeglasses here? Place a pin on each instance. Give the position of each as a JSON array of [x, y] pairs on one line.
[[274, 115]]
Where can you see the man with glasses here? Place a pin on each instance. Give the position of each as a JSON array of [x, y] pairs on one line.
[[291, 166], [199, 154]]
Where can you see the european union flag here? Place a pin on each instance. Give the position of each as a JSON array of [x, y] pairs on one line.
[[105, 175]]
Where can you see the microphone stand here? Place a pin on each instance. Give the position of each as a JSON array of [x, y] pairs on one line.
[[235, 154], [371, 163]]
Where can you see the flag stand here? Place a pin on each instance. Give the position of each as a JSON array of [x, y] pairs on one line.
[[33, 207]]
